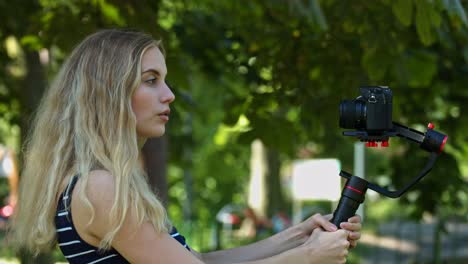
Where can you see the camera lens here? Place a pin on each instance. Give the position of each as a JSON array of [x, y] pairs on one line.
[[352, 114]]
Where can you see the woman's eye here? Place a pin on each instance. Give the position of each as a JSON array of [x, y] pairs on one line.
[[151, 81]]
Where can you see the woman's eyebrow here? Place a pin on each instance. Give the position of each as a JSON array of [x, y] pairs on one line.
[[152, 71]]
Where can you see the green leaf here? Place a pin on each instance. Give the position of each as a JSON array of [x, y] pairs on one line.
[[435, 17], [424, 23], [374, 64], [421, 68], [32, 41], [112, 13], [403, 10]]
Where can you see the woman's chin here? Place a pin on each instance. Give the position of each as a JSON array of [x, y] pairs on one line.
[[157, 133], [152, 133]]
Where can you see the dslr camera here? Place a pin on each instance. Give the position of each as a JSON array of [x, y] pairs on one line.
[[371, 111]]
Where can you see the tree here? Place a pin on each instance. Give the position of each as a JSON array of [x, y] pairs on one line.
[[295, 64]]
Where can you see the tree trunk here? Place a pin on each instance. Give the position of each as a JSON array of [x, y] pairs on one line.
[[33, 88], [265, 194], [274, 191], [155, 153]]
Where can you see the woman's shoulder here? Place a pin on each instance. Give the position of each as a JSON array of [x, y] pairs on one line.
[[100, 178], [99, 191], [100, 188]]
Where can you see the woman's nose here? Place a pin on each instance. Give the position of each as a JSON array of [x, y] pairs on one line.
[[168, 96]]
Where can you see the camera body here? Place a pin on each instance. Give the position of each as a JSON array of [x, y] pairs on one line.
[[370, 112]]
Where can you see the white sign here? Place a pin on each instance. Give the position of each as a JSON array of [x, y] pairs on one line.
[[316, 179]]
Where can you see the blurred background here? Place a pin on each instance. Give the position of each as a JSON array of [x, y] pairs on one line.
[[258, 84]]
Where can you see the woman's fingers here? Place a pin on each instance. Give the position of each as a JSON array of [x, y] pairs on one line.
[[328, 217], [351, 226], [354, 235], [324, 222], [355, 219]]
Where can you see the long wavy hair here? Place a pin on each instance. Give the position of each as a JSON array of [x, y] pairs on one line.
[[85, 122]]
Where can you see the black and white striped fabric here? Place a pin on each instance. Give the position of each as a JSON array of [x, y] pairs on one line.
[[75, 249]]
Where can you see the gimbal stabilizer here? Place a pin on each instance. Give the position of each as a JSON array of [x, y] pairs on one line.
[[355, 188]]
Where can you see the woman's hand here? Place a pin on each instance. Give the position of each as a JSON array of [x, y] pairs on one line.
[[317, 220], [353, 226], [326, 247]]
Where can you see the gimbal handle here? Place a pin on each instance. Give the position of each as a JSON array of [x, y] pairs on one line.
[[352, 196]]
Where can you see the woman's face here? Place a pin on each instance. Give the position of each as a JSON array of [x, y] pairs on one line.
[[150, 101]]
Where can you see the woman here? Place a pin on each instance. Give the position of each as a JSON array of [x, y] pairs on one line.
[[84, 181], [8, 170]]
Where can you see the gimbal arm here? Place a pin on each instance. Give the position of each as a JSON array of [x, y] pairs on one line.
[[414, 181], [355, 188]]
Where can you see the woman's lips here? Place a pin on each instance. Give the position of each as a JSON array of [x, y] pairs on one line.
[[164, 117]]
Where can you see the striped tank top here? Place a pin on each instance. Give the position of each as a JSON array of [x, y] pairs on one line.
[[74, 248]]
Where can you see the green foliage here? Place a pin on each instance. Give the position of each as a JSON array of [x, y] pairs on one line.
[[289, 64], [403, 10]]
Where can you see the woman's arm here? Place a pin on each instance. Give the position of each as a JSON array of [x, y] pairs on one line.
[[268, 247], [274, 245], [320, 247]]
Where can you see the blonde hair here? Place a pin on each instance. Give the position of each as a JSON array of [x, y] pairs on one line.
[[85, 122]]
